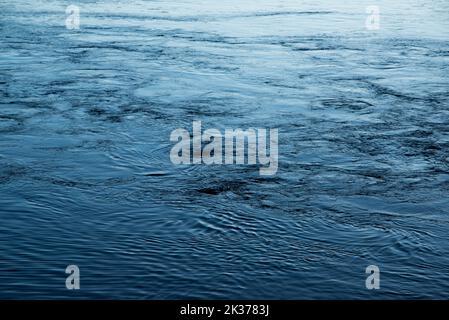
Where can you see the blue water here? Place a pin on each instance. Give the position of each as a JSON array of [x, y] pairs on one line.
[[86, 178]]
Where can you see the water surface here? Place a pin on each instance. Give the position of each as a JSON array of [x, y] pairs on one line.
[[86, 179]]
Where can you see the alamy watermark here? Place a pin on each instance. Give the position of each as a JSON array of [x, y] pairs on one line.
[[373, 280], [72, 22], [72, 282], [234, 146], [372, 22]]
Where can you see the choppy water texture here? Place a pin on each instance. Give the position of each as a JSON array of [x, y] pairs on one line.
[[86, 179]]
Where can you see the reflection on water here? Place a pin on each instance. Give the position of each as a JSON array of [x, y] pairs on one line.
[[86, 178]]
